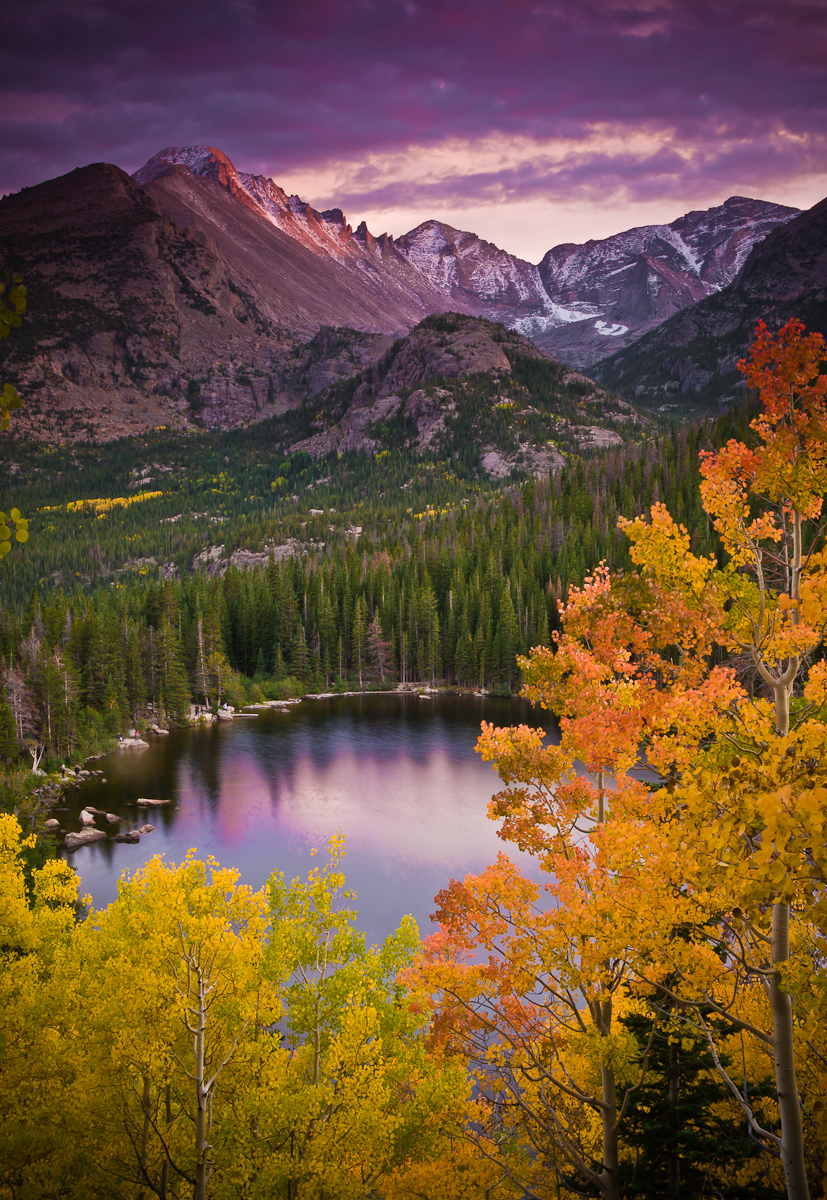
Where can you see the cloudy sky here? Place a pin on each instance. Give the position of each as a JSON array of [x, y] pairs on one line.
[[531, 122]]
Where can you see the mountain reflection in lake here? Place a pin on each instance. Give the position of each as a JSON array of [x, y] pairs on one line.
[[396, 774]]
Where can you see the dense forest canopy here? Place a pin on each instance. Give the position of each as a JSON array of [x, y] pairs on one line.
[[360, 579]]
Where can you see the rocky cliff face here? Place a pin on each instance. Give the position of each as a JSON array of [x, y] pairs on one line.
[[688, 364], [459, 382]]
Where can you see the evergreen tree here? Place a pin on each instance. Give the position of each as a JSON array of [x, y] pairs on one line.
[[279, 669], [9, 745], [172, 676], [378, 649], [681, 1127], [301, 655], [358, 639]]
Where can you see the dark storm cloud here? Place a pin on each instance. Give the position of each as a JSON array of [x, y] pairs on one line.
[[739, 87]]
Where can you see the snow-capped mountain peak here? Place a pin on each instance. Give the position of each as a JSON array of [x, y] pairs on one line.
[[574, 302]]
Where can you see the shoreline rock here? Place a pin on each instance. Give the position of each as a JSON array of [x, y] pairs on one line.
[[74, 841]]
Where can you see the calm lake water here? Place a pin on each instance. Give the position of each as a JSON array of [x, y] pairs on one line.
[[396, 774]]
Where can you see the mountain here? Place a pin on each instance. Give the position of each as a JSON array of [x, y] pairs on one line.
[[131, 321], [573, 302], [476, 275], [582, 297], [179, 296], [304, 268], [688, 364], [611, 292]]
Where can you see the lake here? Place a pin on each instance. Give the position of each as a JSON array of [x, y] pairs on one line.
[[397, 774]]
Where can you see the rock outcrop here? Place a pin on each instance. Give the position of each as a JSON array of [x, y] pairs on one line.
[[457, 381]]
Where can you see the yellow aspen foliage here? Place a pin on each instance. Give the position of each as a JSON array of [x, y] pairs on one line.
[[201, 1039], [36, 1005]]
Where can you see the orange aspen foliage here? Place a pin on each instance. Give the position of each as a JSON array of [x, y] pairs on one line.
[[709, 885]]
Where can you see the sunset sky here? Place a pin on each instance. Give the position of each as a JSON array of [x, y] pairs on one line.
[[527, 121]]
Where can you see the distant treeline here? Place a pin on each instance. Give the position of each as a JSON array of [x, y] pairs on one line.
[[454, 600]]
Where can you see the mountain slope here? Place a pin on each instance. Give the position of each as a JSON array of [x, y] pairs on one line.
[[630, 283], [688, 364], [131, 323], [582, 297], [303, 268]]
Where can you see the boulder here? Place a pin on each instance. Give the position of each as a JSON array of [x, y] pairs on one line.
[[143, 802], [75, 840], [131, 836], [86, 818], [158, 729], [224, 716], [52, 823], [112, 819], [146, 829]]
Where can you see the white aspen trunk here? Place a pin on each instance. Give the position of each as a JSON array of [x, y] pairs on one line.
[[786, 1084], [608, 1181], [781, 1005], [601, 797], [202, 1165]]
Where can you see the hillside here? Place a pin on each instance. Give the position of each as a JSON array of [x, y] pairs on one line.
[[132, 323], [451, 411], [461, 386]]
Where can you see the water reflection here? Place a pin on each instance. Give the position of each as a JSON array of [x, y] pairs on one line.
[[396, 774]]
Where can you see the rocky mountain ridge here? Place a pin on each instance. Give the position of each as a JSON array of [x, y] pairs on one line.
[[190, 294], [575, 301], [688, 364], [458, 385], [581, 298]]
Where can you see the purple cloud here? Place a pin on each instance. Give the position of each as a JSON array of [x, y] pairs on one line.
[[728, 90]]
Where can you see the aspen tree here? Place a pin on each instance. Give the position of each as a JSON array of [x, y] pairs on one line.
[[732, 847]]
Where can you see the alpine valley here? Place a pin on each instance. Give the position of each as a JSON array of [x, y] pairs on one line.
[[259, 459]]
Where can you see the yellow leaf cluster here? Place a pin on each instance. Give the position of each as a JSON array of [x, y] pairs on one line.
[[101, 507]]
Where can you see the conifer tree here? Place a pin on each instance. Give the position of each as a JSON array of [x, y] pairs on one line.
[[358, 639], [300, 656], [172, 675]]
